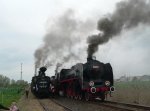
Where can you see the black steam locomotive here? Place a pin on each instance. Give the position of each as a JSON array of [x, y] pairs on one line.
[[89, 81], [40, 84]]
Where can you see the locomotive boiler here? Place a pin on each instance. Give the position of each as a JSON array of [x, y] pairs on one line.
[[40, 84], [89, 81]]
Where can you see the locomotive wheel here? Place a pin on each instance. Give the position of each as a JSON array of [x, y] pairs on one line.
[[102, 97], [80, 97], [76, 97], [72, 97], [68, 96], [87, 96], [61, 93]]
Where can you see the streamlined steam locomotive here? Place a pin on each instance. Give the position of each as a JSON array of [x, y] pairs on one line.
[[40, 84], [89, 81]]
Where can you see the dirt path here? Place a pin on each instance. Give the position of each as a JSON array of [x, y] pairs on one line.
[[33, 104], [29, 104]]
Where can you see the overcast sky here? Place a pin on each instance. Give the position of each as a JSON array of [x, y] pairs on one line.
[[24, 23]]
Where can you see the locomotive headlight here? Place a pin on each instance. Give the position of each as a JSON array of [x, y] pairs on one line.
[[107, 83], [91, 83]]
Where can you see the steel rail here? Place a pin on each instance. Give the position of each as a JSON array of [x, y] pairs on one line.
[[103, 104], [43, 106], [137, 106]]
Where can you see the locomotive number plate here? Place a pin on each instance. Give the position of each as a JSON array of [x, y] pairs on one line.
[[95, 66]]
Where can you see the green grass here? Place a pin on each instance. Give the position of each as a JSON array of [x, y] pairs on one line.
[[134, 92], [9, 95], [133, 84]]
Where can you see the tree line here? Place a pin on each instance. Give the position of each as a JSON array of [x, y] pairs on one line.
[[6, 81]]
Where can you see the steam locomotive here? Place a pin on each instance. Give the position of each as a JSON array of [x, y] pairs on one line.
[[89, 81], [40, 84]]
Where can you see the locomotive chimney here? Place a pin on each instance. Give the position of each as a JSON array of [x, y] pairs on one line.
[[43, 69], [35, 70], [89, 58]]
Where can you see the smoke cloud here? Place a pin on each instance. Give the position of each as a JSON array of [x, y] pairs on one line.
[[128, 14], [63, 34]]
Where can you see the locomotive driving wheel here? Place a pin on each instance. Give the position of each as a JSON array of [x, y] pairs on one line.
[[76, 97], [87, 96], [102, 97], [80, 97], [68, 96], [72, 96]]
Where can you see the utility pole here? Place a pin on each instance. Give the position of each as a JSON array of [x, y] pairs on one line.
[[21, 72]]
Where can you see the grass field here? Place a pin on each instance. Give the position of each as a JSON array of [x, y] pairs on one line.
[[134, 92], [9, 95]]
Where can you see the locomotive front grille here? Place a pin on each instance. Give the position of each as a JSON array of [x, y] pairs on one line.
[[43, 84]]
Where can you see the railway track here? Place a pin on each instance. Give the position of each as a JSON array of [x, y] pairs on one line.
[[122, 106], [115, 106], [118, 106], [65, 107], [47, 107], [137, 106]]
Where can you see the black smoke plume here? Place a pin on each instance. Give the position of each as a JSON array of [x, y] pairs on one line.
[[128, 14], [62, 35]]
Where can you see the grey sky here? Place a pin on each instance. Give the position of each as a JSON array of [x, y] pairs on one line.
[[23, 24]]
